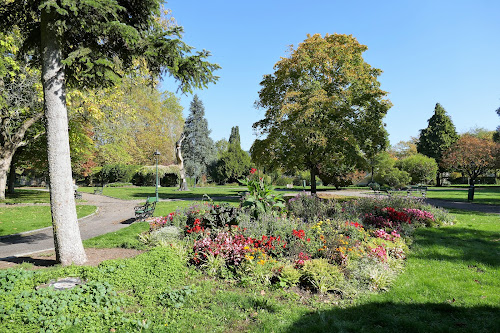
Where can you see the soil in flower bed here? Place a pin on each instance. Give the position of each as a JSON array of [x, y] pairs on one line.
[[48, 259]]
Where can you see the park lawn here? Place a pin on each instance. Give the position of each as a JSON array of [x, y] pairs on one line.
[[26, 196], [451, 283], [135, 192], [482, 195], [14, 220]]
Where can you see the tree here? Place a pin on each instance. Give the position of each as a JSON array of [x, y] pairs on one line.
[[422, 169], [323, 106], [234, 137], [20, 104], [404, 149], [386, 172], [234, 162], [472, 156], [88, 44], [496, 135], [437, 138], [198, 146]]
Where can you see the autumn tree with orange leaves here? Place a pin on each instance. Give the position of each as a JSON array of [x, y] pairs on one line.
[[472, 156]]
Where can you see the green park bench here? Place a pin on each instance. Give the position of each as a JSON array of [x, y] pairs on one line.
[[146, 210]]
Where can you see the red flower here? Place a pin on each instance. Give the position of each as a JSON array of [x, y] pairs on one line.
[[253, 170]]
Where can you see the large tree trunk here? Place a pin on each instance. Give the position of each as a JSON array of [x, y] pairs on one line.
[[12, 174], [67, 240], [5, 160], [180, 162]]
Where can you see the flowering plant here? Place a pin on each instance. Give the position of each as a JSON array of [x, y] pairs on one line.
[[260, 198]]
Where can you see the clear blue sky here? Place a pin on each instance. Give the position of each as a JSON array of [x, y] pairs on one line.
[[430, 51]]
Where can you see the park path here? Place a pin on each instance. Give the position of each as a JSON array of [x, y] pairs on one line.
[[114, 214]]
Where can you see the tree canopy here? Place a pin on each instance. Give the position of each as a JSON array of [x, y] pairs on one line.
[[198, 147], [437, 137], [324, 106], [89, 44]]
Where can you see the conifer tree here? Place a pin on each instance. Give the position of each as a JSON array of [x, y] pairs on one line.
[[198, 147], [439, 135]]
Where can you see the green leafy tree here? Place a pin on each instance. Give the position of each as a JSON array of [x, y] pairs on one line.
[[21, 108], [234, 162], [323, 106], [437, 138], [88, 44], [422, 169], [386, 172], [198, 147]]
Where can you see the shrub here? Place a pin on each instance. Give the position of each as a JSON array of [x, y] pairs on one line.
[[322, 276], [311, 208], [146, 176], [112, 173]]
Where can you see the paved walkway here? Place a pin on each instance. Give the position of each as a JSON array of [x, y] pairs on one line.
[[114, 214]]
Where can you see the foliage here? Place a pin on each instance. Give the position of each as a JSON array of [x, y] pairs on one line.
[[404, 149], [422, 169], [323, 106], [386, 172], [233, 162], [437, 137], [310, 208], [473, 156], [112, 173], [198, 147], [168, 175], [175, 297], [322, 275], [260, 198]]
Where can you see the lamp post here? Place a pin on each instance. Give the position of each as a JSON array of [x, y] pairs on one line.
[[156, 155]]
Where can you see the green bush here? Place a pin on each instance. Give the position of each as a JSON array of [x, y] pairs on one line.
[[422, 169], [146, 175], [311, 208], [322, 276], [113, 173]]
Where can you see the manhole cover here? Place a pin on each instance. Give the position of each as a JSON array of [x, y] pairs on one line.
[[63, 283]]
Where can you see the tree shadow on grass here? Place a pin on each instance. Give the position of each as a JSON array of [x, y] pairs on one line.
[[390, 317], [461, 244]]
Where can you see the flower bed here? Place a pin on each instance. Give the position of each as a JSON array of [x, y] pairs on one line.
[[352, 247]]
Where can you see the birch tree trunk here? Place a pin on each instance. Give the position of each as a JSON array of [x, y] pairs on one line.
[[180, 162], [67, 240]]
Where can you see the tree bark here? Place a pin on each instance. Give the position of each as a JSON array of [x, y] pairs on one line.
[[12, 174], [180, 163], [313, 181], [67, 240], [5, 160]]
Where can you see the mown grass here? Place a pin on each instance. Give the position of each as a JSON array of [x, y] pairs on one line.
[[482, 195], [26, 196], [14, 220]]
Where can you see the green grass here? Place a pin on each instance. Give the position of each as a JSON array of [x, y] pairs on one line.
[[14, 220], [134, 192], [450, 284], [124, 238], [27, 196], [482, 195]]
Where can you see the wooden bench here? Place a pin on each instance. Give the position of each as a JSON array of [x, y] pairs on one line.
[[146, 210], [78, 195]]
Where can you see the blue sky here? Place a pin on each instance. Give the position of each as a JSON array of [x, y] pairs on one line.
[[438, 51]]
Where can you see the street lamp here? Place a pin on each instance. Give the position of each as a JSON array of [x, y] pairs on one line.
[[156, 156]]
